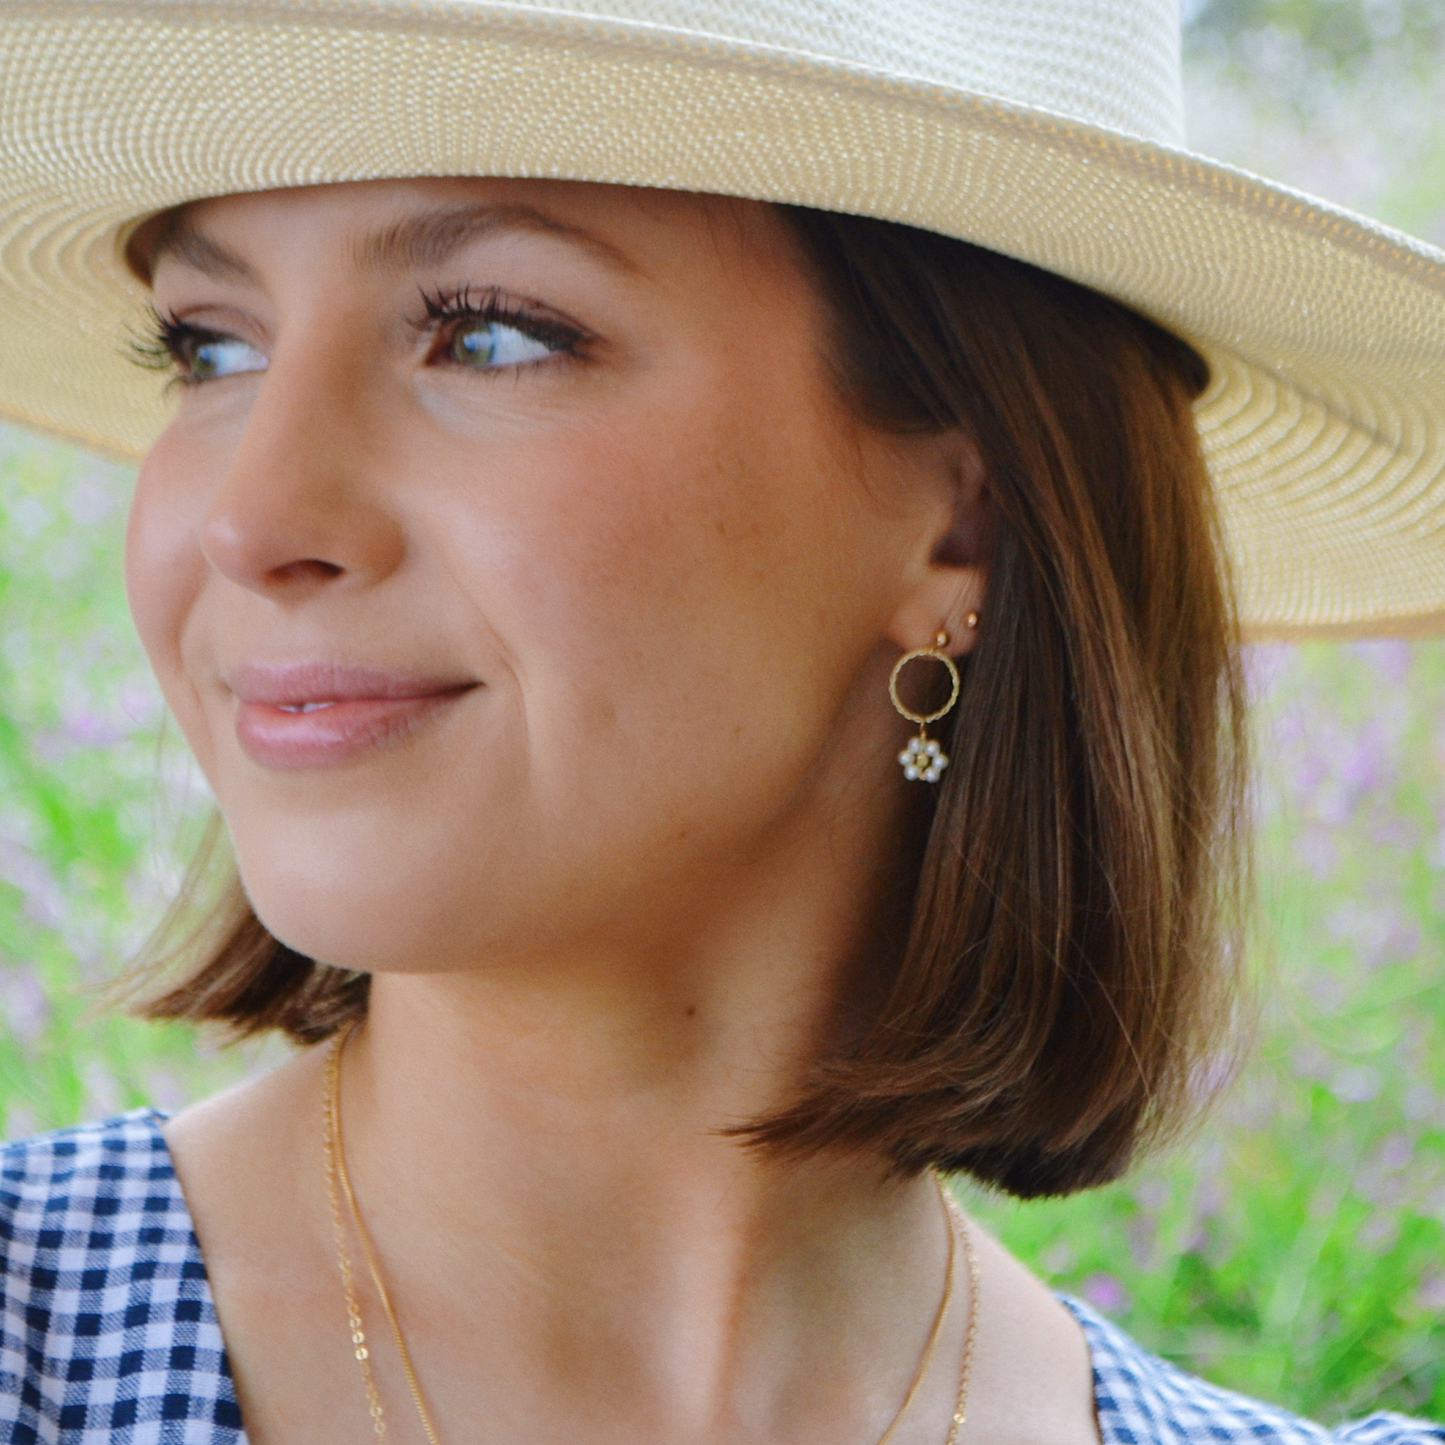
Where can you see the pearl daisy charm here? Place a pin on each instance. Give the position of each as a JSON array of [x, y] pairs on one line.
[[923, 760]]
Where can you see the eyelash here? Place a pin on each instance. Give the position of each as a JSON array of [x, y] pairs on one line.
[[164, 344], [448, 311], [169, 341]]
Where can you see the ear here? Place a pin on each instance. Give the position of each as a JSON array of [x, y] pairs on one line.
[[949, 577]]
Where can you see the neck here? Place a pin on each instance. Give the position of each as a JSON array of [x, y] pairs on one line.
[[556, 1132], [645, 1256]]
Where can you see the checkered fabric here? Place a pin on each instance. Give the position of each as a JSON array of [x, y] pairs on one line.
[[1143, 1400], [107, 1328], [108, 1331]]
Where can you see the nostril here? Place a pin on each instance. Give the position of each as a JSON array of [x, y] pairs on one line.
[[275, 533], [307, 569]]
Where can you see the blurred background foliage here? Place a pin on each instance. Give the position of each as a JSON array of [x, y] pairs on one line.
[[1296, 1247], [1338, 40], [1343, 98]]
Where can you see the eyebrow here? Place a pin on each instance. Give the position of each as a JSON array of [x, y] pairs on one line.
[[411, 243], [193, 248], [434, 237]]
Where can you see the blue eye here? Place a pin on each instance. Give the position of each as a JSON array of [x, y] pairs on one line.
[[490, 344], [223, 356]]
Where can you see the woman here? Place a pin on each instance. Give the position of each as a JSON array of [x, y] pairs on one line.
[[720, 709]]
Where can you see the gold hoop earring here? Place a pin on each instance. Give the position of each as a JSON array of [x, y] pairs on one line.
[[923, 759]]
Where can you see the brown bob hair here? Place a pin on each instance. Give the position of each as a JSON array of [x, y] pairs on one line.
[[1067, 984]]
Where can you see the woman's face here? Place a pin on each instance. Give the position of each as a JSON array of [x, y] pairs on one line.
[[511, 566]]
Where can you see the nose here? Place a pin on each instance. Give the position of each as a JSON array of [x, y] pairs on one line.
[[299, 507]]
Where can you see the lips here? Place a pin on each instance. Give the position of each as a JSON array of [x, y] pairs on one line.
[[321, 714]]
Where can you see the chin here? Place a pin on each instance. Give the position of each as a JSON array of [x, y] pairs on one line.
[[346, 928], [371, 902]]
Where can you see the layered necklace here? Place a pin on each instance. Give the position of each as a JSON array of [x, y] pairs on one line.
[[338, 1188]]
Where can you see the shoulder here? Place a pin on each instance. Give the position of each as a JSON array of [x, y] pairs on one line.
[[106, 1322], [1144, 1400]]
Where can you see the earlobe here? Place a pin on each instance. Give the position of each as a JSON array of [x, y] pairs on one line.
[[952, 601]]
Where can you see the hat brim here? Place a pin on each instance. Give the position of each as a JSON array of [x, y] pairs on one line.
[[1324, 425]]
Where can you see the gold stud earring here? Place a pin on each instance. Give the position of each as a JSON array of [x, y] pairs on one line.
[[923, 759]]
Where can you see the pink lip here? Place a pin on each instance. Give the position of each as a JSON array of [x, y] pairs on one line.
[[320, 714]]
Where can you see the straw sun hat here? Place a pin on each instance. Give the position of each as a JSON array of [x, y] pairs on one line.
[[1047, 129]]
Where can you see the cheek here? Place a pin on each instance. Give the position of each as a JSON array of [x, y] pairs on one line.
[[165, 570], [661, 581]]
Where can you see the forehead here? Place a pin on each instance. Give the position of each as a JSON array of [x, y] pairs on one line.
[[411, 223]]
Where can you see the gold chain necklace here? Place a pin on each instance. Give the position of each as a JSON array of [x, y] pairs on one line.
[[336, 1170], [338, 1183]]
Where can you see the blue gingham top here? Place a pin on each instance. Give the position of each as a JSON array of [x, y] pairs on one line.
[[108, 1331]]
